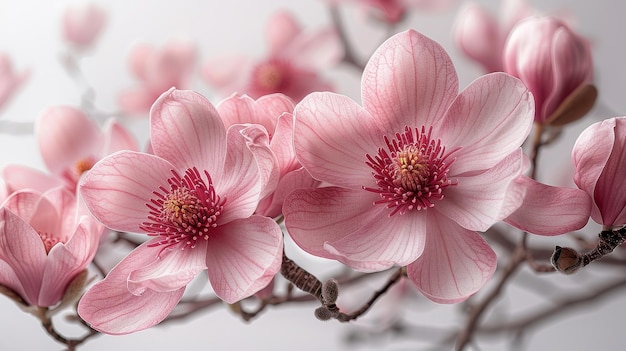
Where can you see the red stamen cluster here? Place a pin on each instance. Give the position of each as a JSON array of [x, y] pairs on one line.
[[411, 172], [185, 212]]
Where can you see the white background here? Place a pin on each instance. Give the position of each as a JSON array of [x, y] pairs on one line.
[[30, 33]]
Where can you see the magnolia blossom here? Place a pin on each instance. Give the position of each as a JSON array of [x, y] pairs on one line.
[[481, 36], [600, 166], [82, 23], [157, 70], [291, 67], [274, 113], [551, 59], [70, 143], [10, 80], [415, 172], [394, 11], [46, 240], [195, 197]]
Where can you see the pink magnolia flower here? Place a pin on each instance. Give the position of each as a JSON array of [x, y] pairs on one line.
[[82, 23], [415, 172], [598, 156], [291, 67], [10, 80], [195, 197], [46, 240], [274, 113], [482, 37], [157, 71], [551, 59], [70, 143]]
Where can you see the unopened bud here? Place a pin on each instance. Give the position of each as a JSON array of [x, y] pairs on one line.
[[323, 314], [330, 291], [566, 260]]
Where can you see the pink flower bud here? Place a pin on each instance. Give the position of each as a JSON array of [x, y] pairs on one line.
[[82, 23], [477, 34], [550, 59]]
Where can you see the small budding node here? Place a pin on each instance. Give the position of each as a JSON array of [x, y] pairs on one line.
[[330, 291], [566, 260], [323, 314]]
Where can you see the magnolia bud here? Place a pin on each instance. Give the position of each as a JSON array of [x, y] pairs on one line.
[[323, 314], [566, 260], [330, 291]]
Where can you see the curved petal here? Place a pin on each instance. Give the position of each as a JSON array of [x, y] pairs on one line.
[[477, 34], [409, 81], [137, 101], [117, 138], [36, 210], [22, 249], [610, 190], [19, 177], [382, 242], [118, 187], [315, 51], [488, 120], [172, 268], [455, 264], [66, 136], [550, 210], [66, 261], [590, 153], [477, 201], [272, 205], [111, 308], [282, 144], [282, 28], [316, 216], [332, 135], [243, 257], [240, 109], [186, 130], [228, 74]]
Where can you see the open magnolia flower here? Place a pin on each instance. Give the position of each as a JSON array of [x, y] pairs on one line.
[[415, 172], [195, 197], [274, 112], [46, 241]]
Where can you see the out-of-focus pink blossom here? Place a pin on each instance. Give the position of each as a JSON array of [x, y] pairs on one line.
[[196, 198], [157, 70], [274, 112], [551, 59], [415, 172], [482, 37], [82, 23], [600, 165], [394, 11], [291, 67], [46, 240], [10, 80], [70, 143]]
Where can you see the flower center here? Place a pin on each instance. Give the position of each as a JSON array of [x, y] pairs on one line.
[[48, 240], [411, 172], [185, 212], [270, 77]]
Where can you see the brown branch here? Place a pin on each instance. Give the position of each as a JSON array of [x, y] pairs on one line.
[[349, 57], [71, 344]]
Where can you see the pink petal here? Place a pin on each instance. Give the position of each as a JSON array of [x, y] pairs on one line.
[[35, 210], [111, 308], [117, 138], [82, 23], [137, 101], [332, 135], [66, 261], [590, 153], [171, 269], [66, 136], [409, 80], [478, 35], [382, 242], [315, 51], [455, 263], [138, 58], [23, 177], [549, 210], [186, 130], [265, 111], [228, 74], [489, 119], [282, 28], [22, 249], [243, 257], [282, 144], [117, 189], [316, 216], [248, 169], [272, 205], [477, 202]]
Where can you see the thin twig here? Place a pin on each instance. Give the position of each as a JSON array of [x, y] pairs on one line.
[[349, 56]]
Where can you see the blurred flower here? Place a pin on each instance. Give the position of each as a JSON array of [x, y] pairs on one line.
[[600, 165], [274, 113], [552, 60], [46, 240], [415, 172], [481, 36], [10, 81], [196, 197], [70, 143], [394, 11], [157, 71], [82, 23], [291, 67]]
